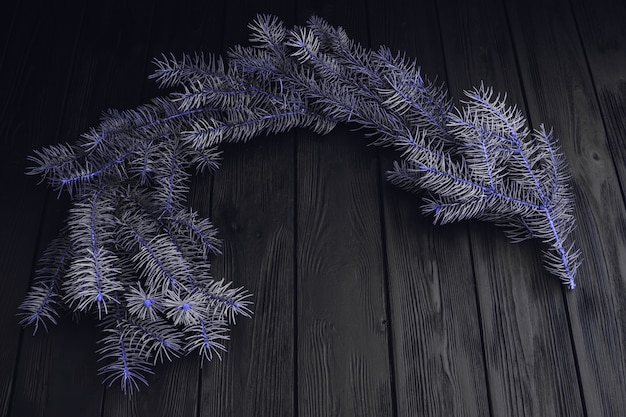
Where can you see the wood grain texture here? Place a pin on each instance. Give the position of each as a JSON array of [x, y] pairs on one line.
[[343, 362], [474, 325], [439, 365], [7, 25], [530, 361], [253, 207], [34, 96], [94, 71], [341, 314], [603, 36], [159, 28], [552, 60], [257, 227]]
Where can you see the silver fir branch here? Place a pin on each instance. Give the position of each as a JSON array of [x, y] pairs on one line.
[[134, 255]]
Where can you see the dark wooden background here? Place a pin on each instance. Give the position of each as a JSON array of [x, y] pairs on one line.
[[362, 308]]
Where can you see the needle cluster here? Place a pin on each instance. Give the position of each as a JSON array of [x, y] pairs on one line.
[[138, 258]]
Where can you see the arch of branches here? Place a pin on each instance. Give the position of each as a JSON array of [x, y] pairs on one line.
[[137, 257]]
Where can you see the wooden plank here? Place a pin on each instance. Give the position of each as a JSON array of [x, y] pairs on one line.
[[72, 384], [601, 28], [57, 371], [343, 356], [253, 207], [560, 90], [529, 357], [7, 25], [173, 389], [33, 100], [437, 344]]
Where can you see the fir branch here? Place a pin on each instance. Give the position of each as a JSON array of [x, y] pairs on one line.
[[492, 138], [207, 337], [40, 304], [156, 338], [125, 360], [171, 187], [124, 143], [192, 70], [92, 277], [144, 304], [187, 225], [184, 307], [224, 301], [156, 261], [205, 160]]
